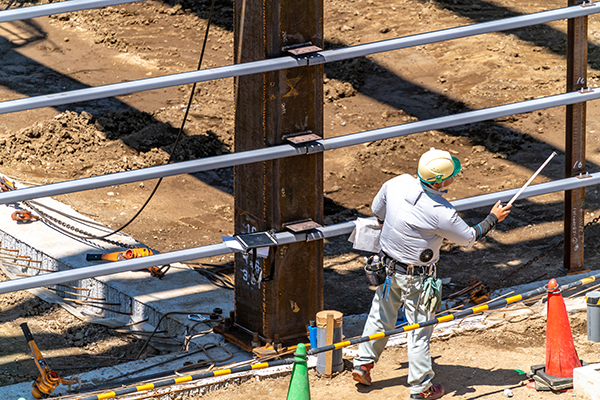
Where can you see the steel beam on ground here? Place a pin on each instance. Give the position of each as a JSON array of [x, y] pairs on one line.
[[283, 238], [577, 43], [18, 14], [280, 151], [269, 194], [255, 67]]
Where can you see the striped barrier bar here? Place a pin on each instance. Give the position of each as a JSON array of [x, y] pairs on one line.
[[445, 318]]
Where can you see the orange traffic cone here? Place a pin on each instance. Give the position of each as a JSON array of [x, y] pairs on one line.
[[561, 356]]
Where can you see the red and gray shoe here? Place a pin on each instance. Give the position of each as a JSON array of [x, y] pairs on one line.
[[362, 374], [433, 392]]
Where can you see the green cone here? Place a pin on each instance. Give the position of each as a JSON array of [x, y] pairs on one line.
[[299, 388]]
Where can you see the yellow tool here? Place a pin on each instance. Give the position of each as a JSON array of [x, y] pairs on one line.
[[120, 255], [48, 380], [6, 185]]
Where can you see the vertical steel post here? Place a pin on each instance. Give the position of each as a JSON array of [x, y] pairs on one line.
[[575, 142], [270, 194]]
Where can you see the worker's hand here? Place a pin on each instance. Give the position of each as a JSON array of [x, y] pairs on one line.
[[500, 212]]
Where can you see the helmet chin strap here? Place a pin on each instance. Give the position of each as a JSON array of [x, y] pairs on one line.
[[441, 189]]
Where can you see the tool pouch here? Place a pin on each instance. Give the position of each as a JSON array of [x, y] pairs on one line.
[[432, 293], [375, 271]]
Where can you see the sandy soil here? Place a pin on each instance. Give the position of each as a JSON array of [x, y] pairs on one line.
[[153, 38]]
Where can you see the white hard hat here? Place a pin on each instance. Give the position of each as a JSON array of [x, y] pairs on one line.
[[437, 166]]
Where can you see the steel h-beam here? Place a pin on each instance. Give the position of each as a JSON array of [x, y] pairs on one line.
[[269, 107], [575, 142]]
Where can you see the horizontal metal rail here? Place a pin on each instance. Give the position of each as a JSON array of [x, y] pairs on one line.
[[118, 89], [213, 250], [281, 151], [17, 14]]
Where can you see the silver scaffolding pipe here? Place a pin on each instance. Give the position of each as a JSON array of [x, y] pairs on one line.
[[280, 151], [212, 250], [275, 64], [44, 10]]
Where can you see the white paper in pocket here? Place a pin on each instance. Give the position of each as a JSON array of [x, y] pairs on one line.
[[366, 234]]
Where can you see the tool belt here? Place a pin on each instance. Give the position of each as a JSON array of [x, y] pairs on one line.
[[401, 267]]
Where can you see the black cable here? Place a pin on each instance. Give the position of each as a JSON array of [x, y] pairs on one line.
[[187, 111], [162, 318], [10, 4]]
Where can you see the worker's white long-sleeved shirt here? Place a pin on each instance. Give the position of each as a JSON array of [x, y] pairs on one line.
[[417, 218]]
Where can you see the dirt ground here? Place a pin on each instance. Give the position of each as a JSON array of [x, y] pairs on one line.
[[153, 38]]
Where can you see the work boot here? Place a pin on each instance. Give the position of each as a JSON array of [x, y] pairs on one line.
[[362, 374], [433, 392]]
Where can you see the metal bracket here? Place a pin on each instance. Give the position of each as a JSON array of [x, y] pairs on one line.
[[305, 142], [252, 241], [307, 226], [314, 235], [306, 52], [584, 175], [587, 3], [302, 226], [301, 137], [301, 49], [585, 90]]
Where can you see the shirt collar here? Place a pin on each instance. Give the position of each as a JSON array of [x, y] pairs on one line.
[[432, 190]]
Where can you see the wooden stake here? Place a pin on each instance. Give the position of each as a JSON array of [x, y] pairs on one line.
[[328, 341]]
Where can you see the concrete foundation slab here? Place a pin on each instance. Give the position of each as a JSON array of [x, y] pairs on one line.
[[586, 382], [34, 248]]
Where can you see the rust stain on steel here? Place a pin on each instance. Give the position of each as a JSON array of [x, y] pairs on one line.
[[575, 142], [269, 107]]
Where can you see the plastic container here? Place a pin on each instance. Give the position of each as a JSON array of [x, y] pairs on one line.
[[312, 334], [593, 316], [337, 364]]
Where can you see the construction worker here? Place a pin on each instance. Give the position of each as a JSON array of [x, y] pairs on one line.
[[416, 219]]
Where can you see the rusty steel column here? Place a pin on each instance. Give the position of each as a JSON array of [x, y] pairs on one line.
[[575, 142], [273, 193]]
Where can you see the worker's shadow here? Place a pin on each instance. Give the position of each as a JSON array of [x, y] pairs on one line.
[[458, 380]]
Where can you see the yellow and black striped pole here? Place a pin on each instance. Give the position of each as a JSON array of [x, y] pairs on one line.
[[189, 378], [335, 346], [450, 317]]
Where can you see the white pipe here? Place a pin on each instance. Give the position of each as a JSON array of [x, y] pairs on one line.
[[531, 179], [18, 14], [281, 151], [212, 250], [255, 67]]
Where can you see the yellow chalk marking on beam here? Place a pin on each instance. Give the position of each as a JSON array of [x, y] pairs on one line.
[[512, 299], [108, 395], [446, 318], [222, 372], [183, 379], [342, 344], [260, 365], [147, 386], [482, 307]]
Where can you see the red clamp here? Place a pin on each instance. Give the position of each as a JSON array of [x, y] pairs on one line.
[[24, 216]]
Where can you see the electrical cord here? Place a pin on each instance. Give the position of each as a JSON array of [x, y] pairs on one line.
[[179, 134], [163, 317]]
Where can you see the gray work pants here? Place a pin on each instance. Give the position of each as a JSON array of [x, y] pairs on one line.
[[383, 316]]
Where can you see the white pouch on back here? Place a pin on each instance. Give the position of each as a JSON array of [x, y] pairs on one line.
[[365, 235]]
